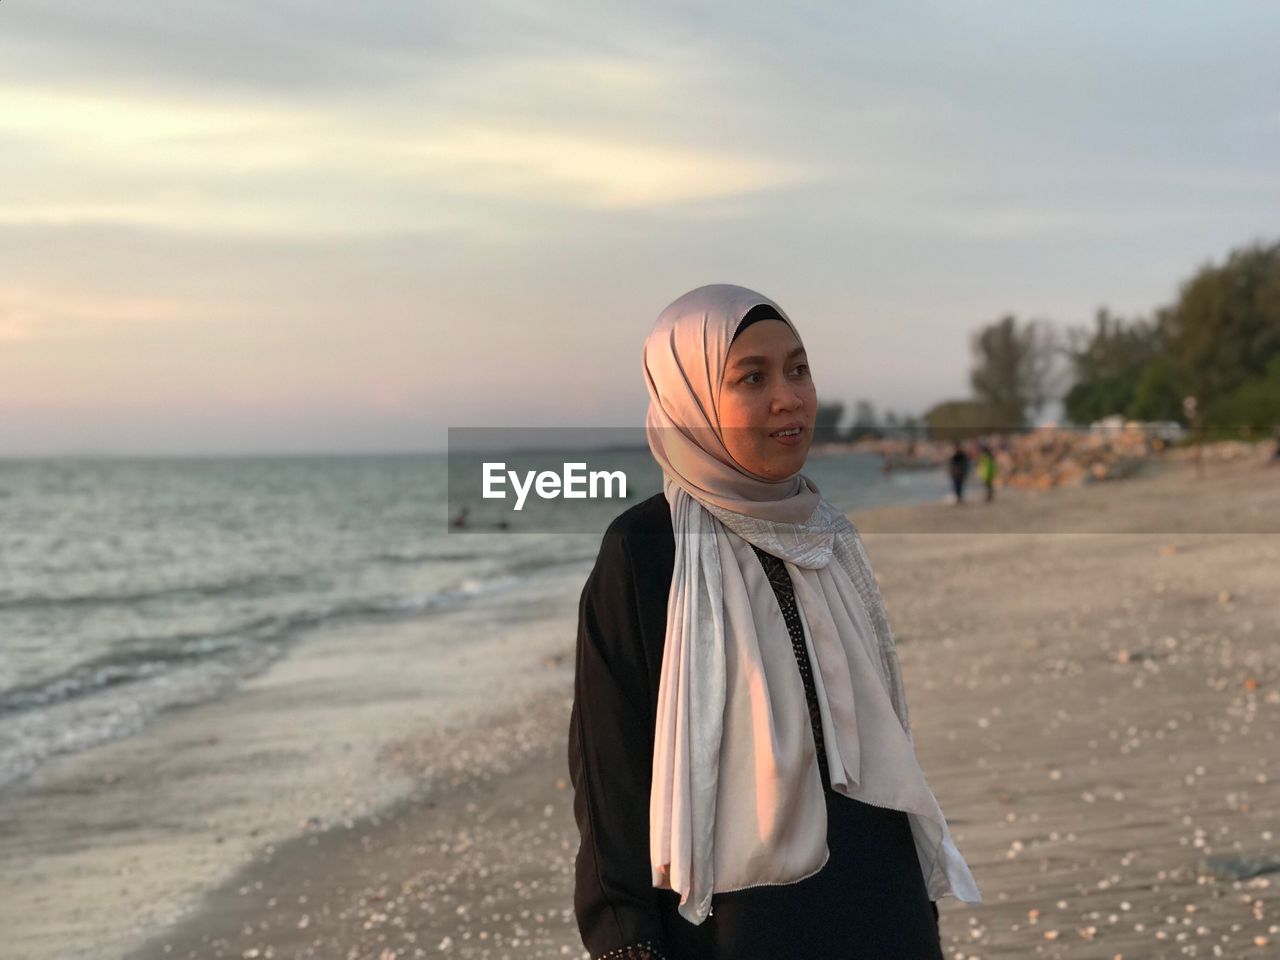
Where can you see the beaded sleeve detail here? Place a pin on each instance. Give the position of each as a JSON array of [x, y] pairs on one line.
[[648, 950], [775, 569]]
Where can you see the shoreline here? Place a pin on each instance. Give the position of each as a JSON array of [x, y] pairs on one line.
[[1041, 683], [100, 849]]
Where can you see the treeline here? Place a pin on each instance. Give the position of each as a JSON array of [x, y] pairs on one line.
[[827, 423], [1218, 343]]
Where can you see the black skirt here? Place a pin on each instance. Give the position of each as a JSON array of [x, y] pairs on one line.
[[868, 902]]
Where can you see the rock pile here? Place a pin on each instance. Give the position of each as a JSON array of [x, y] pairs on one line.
[[1052, 456]]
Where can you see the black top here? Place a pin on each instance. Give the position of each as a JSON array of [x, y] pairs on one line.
[[869, 901]]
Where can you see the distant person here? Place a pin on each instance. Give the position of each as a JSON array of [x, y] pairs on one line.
[[987, 470], [958, 468], [461, 519]]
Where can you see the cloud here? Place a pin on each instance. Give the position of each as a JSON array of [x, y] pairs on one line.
[[321, 48], [31, 313], [299, 167], [578, 169]]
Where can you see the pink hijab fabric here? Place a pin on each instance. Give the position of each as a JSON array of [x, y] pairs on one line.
[[737, 798], [684, 361]]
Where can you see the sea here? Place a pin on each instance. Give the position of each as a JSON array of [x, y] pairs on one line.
[[130, 588]]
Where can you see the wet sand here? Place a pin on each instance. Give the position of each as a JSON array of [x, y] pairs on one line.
[[1098, 714], [101, 849]]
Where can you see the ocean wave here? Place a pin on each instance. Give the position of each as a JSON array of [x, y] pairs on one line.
[[248, 587], [414, 558], [144, 658]]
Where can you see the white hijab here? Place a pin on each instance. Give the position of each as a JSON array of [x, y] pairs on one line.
[[737, 798]]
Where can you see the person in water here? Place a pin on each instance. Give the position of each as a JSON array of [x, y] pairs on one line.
[[745, 780]]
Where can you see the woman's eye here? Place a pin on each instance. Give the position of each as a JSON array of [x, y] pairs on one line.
[[754, 373], [802, 368]]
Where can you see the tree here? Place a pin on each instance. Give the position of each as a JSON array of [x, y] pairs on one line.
[[1253, 407], [1016, 369], [864, 421], [958, 419], [1157, 394], [1107, 364], [826, 422], [1225, 327]]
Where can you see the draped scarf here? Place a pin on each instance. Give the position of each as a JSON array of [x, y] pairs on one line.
[[737, 796]]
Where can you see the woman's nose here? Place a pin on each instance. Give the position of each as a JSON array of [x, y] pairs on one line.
[[786, 399]]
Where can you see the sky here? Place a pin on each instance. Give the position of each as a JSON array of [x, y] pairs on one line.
[[287, 227]]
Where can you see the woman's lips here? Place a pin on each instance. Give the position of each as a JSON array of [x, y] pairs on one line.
[[789, 435]]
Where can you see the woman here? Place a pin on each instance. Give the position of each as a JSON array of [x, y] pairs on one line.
[[745, 782]]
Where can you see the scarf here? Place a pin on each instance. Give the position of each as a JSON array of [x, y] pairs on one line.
[[737, 797]]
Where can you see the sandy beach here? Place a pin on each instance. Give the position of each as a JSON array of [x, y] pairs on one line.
[[1097, 712], [102, 848]]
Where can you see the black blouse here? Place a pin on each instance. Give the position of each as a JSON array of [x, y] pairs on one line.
[[869, 901]]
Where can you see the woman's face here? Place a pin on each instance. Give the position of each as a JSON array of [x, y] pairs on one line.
[[766, 390]]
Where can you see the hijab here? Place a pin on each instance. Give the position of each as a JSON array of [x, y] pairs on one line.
[[737, 798]]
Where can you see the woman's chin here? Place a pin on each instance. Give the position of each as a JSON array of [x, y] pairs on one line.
[[779, 467]]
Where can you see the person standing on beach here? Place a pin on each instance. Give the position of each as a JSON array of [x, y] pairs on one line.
[[745, 780], [958, 469], [987, 470]]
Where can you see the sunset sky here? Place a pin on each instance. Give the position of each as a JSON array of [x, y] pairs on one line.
[[281, 226]]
